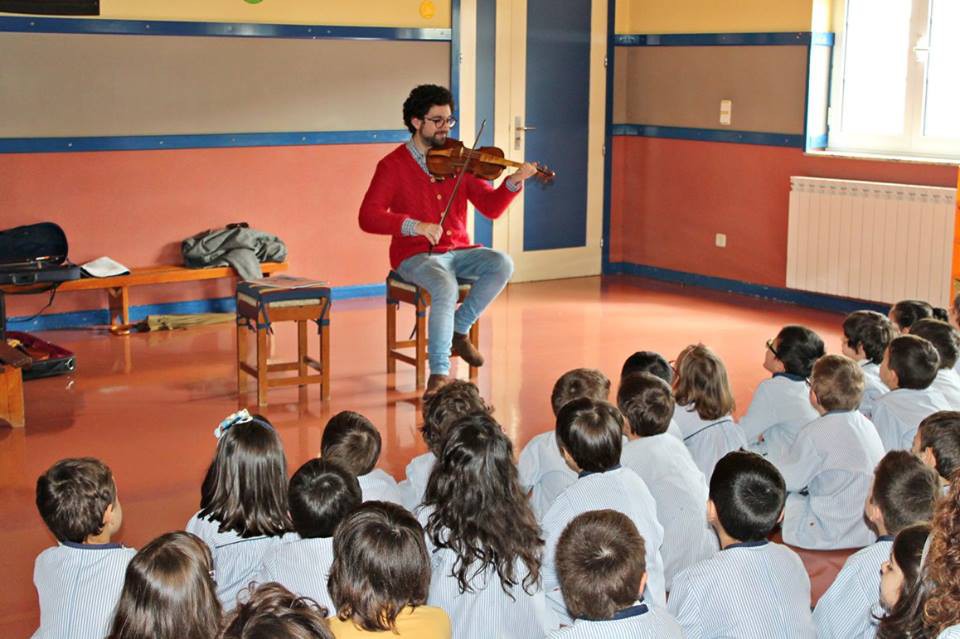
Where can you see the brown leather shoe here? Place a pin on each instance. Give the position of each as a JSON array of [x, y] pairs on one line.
[[435, 383], [464, 348]]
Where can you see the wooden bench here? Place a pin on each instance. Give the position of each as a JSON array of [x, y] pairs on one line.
[[118, 286], [11, 385]]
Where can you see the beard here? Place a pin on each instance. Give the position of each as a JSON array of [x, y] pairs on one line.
[[436, 141]]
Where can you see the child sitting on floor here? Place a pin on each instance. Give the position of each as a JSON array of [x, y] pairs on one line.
[[866, 335], [902, 494], [80, 579], [905, 313], [941, 611], [781, 404], [351, 440], [705, 407], [937, 443], [946, 340], [601, 568], [752, 588], [830, 466], [656, 365], [904, 586], [542, 469], [909, 367], [270, 611]]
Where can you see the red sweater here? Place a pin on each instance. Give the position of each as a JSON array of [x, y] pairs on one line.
[[401, 189]]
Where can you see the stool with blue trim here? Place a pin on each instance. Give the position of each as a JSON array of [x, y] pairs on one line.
[[262, 303], [400, 290]]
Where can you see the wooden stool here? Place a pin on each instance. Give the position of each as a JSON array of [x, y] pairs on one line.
[[11, 384], [260, 305], [400, 290]]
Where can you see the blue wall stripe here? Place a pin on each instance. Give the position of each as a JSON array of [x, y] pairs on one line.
[[721, 39], [193, 141], [216, 29], [54, 321], [774, 293], [710, 135]]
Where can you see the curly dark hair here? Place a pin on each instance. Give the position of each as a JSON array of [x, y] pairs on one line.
[[942, 608], [479, 510], [421, 100], [271, 610], [448, 404]]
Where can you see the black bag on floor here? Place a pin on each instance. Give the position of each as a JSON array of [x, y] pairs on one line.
[[35, 253]]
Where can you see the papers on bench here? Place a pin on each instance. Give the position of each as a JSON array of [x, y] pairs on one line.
[[104, 267]]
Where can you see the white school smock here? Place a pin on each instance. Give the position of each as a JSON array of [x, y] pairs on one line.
[[413, 488], [953, 632], [618, 489], [780, 408], [754, 590], [708, 440], [302, 567], [832, 462], [680, 491], [543, 472], [78, 586], [640, 621], [377, 485], [873, 387], [487, 611], [948, 383], [845, 611], [898, 414], [236, 559]]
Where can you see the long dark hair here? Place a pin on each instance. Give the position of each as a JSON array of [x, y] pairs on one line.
[[480, 512], [905, 618], [245, 488], [168, 592]]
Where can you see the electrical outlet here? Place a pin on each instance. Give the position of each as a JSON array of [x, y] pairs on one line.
[[726, 111], [721, 240]]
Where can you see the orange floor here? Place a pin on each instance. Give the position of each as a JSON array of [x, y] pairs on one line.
[[147, 404]]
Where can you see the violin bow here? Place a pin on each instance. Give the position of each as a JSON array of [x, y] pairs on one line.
[[463, 171]]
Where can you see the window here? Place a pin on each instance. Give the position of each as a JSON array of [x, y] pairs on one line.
[[896, 88]]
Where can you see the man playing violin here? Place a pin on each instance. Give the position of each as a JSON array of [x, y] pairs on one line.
[[406, 202]]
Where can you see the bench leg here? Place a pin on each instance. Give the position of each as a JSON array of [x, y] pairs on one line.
[[325, 358], [241, 358], [301, 349], [118, 301], [262, 366], [11, 396]]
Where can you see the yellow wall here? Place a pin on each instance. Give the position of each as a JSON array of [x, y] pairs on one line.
[[381, 13], [720, 16]]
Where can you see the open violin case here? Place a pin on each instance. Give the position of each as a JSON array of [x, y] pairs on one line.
[[35, 254]]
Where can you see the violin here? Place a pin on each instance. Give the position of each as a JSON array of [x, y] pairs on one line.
[[486, 162]]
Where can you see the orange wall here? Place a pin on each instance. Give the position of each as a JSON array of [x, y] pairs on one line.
[[670, 198], [136, 206]]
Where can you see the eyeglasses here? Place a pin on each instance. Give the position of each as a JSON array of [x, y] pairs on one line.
[[772, 349], [437, 121]]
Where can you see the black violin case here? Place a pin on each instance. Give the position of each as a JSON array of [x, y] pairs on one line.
[[35, 254]]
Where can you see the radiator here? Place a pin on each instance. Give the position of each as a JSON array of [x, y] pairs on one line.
[[870, 240]]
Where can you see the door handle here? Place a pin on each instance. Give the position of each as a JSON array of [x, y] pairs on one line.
[[518, 129]]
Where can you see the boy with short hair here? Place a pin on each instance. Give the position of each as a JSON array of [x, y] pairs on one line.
[[590, 436], [903, 493], [752, 588], [79, 581], [946, 340], [937, 444], [601, 567], [664, 463], [440, 409], [910, 365], [351, 440], [321, 495], [542, 470], [657, 365], [866, 335], [829, 469]]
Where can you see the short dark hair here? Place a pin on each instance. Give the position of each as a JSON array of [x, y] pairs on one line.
[[421, 99], [380, 565], [748, 493], [798, 348], [580, 382], [451, 402], [600, 564], [941, 433], [648, 362], [245, 488], [352, 441], [871, 330], [646, 403], [904, 490], [906, 312], [591, 431], [838, 382], [321, 495], [914, 360], [168, 592], [271, 611], [943, 336], [72, 497]]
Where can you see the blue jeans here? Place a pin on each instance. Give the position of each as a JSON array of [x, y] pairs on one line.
[[489, 271]]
